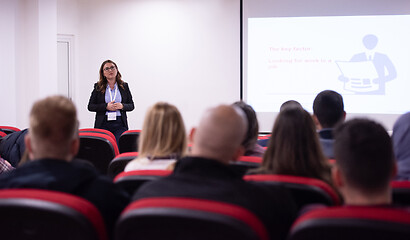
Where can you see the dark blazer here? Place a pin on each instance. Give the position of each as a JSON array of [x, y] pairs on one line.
[[97, 104], [209, 179], [12, 147]]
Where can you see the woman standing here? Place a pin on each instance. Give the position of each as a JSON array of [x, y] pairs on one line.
[[110, 99]]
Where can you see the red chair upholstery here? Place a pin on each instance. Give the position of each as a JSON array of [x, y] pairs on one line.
[[3, 134], [401, 193], [97, 148], [129, 141], [9, 129], [118, 164], [42, 214], [97, 130], [352, 223], [132, 180], [267, 136], [245, 163], [187, 218], [304, 190]]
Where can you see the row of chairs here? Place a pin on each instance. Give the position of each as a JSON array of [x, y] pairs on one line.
[[99, 147], [304, 190], [42, 214], [128, 141]]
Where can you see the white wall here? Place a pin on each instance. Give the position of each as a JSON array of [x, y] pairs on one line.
[[28, 56], [185, 52], [7, 62]]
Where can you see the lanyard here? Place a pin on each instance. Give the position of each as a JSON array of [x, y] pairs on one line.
[[115, 94]]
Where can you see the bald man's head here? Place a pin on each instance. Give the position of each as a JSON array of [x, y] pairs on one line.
[[220, 134]]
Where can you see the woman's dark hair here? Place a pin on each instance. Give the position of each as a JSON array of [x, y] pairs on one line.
[[253, 127], [102, 82], [294, 147]]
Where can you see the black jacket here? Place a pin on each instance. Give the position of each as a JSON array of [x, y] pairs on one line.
[[74, 178], [97, 104], [12, 147], [209, 179]]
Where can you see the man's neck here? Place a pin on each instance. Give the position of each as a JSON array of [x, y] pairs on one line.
[[57, 158], [361, 199]]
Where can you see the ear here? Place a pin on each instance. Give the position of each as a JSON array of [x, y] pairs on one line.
[[29, 146], [317, 123], [75, 146], [238, 153], [191, 135], [344, 115], [337, 177]]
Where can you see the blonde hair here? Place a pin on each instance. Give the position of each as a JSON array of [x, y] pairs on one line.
[[53, 124], [163, 132]]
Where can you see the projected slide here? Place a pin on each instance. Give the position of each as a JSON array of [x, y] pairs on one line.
[[366, 58]]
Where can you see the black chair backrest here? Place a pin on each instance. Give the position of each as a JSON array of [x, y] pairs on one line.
[[401, 193], [129, 141], [118, 164], [132, 180], [303, 190], [9, 129], [97, 148], [245, 163], [352, 223], [186, 219], [29, 214]]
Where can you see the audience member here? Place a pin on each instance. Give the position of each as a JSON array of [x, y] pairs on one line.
[[294, 148], [401, 145], [252, 148], [163, 139], [364, 163], [288, 104], [328, 111], [52, 142], [205, 173], [12, 147]]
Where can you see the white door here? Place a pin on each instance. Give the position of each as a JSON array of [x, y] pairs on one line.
[[64, 65]]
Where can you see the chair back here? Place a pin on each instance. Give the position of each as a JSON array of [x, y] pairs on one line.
[[132, 180], [129, 141], [98, 130], [97, 148], [245, 163], [9, 129], [401, 193], [303, 190], [187, 218], [352, 223], [42, 214], [118, 164]]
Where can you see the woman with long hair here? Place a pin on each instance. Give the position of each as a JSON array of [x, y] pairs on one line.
[[294, 148], [163, 139], [111, 99]]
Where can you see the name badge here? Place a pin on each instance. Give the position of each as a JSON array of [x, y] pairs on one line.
[[112, 116]]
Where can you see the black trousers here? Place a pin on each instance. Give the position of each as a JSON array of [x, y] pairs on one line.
[[117, 127]]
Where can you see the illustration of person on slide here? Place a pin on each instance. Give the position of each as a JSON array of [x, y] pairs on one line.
[[365, 73]]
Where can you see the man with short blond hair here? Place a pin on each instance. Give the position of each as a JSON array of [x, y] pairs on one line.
[[52, 142]]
